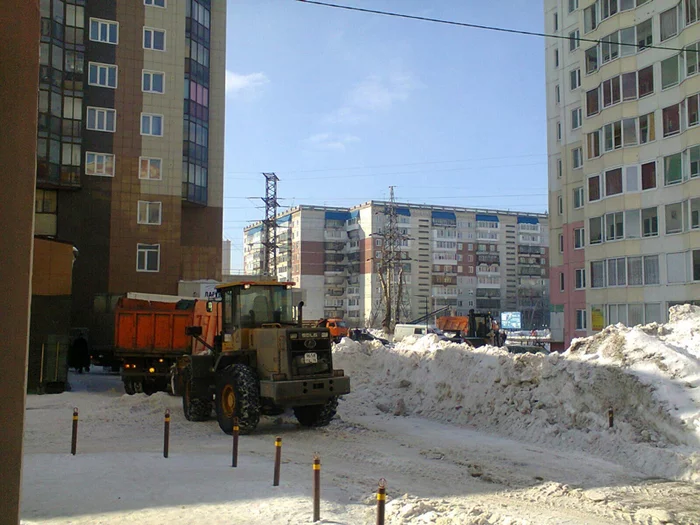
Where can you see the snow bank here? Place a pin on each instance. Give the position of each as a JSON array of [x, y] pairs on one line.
[[648, 374]]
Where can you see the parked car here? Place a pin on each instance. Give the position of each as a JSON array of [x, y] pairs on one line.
[[359, 334]]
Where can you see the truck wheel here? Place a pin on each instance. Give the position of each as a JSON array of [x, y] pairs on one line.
[[195, 408], [237, 395], [138, 386], [129, 387], [317, 415]]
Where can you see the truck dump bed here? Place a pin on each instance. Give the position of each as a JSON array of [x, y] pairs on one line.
[[148, 327]]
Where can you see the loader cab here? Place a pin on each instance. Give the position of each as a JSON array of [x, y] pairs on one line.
[[252, 305]]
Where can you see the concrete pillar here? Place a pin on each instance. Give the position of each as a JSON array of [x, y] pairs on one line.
[[19, 83]]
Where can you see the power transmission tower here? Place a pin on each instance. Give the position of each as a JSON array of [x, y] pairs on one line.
[[390, 266], [269, 231]]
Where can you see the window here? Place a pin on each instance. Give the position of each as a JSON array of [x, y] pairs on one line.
[[631, 178], [648, 176], [652, 313], [154, 39], [558, 130], [147, 257], [650, 222], [594, 188], [645, 81], [590, 19], [676, 271], [101, 119], [694, 214], [616, 273], [577, 158], [610, 47], [151, 124], [573, 5], [153, 82], [557, 98], [614, 229], [612, 136], [149, 212], [591, 60], [559, 169], [646, 128], [101, 164], [611, 91], [580, 319], [104, 75], [672, 120], [670, 72], [592, 102], [628, 41], [651, 269], [150, 168], [556, 58], [674, 218], [691, 11], [595, 230], [560, 205], [562, 281], [576, 118], [696, 265], [633, 225], [692, 105], [555, 23], [580, 278], [635, 274], [573, 40], [578, 197], [692, 59], [579, 238], [607, 8], [597, 274], [593, 142], [629, 132], [613, 182], [673, 172], [154, 3], [561, 243], [104, 31], [629, 86], [669, 23], [575, 78], [694, 154], [644, 34], [617, 313]]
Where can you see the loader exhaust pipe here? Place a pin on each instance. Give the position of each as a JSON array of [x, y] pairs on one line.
[[300, 310]]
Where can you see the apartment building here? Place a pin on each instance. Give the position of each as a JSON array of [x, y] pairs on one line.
[[130, 145], [457, 257], [624, 161]]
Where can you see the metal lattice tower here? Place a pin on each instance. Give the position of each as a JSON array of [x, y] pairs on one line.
[[269, 231]]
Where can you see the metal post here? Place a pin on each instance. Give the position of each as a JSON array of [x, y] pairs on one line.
[[41, 369], [317, 488], [234, 454], [74, 437], [381, 501], [278, 460], [166, 434], [610, 417], [56, 372]]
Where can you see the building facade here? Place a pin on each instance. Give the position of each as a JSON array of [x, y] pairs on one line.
[[451, 257], [130, 144], [624, 161]]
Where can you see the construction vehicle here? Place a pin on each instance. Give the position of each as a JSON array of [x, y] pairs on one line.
[[149, 336], [336, 325], [475, 329], [262, 362]]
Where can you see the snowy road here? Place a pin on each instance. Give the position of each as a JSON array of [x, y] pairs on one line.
[[436, 473]]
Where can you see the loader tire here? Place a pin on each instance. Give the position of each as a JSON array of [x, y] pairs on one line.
[[317, 415], [129, 387], [194, 408], [237, 395]]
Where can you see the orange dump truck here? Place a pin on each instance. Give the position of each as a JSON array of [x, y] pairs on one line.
[[149, 336]]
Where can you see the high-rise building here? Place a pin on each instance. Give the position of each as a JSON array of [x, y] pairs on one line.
[[130, 145], [624, 160], [461, 258]]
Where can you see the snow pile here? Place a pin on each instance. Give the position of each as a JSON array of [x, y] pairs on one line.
[[649, 375]]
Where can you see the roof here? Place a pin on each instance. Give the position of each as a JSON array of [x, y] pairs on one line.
[[254, 283]]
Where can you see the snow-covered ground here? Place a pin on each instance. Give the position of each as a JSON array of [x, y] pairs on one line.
[[462, 436]]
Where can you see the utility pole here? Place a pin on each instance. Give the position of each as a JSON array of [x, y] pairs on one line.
[[390, 265], [268, 267]]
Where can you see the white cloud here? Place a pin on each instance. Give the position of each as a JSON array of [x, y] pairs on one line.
[[237, 83], [330, 141], [374, 94]]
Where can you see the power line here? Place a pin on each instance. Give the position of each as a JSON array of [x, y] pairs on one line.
[[487, 28]]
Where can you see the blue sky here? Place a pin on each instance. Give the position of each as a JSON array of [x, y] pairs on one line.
[[341, 105]]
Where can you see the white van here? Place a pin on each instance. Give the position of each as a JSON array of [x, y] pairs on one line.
[[404, 330]]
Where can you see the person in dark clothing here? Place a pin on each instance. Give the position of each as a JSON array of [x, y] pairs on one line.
[[80, 356]]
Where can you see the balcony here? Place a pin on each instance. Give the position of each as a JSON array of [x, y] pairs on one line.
[[488, 304], [535, 250], [444, 279], [531, 271], [335, 235], [488, 258], [488, 270], [334, 246]]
